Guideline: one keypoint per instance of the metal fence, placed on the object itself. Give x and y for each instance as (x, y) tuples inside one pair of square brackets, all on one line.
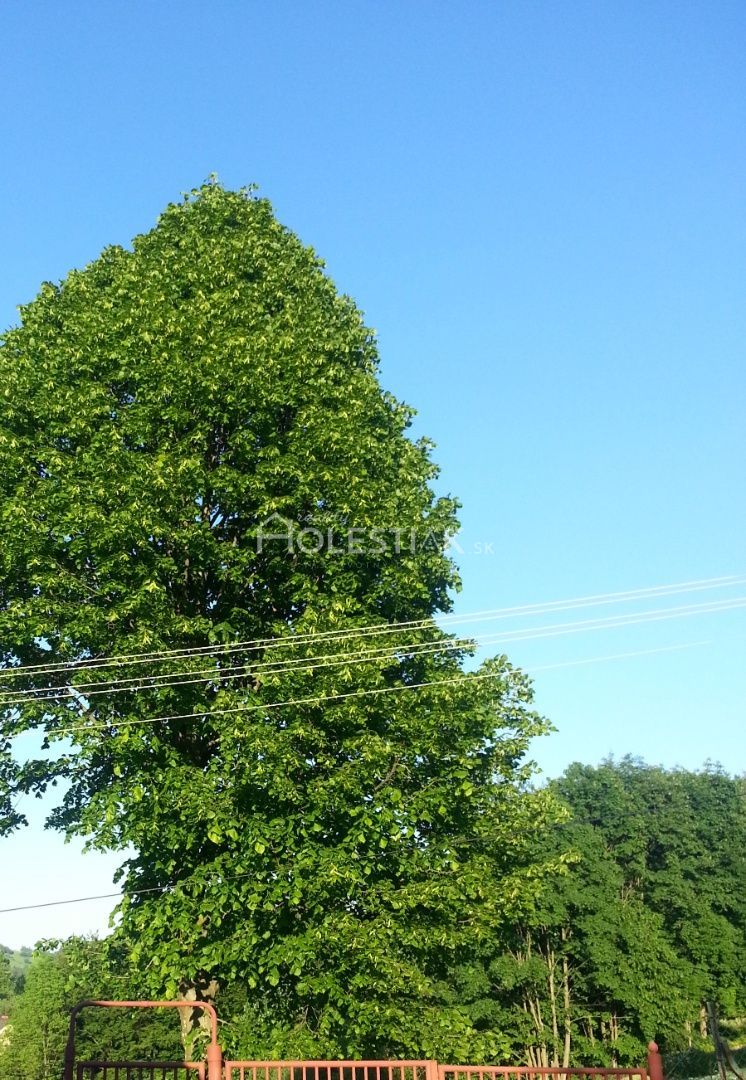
[(140, 1070), (414, 1070), (534, 1072), (344, 1070), (215, 1068), (330, 1070)]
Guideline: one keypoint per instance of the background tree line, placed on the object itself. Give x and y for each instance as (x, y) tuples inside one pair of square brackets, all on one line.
[(646, 923)]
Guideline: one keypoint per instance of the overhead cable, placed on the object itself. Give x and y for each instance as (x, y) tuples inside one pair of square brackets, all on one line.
[(164, 888), (290, 640), (76, 693)]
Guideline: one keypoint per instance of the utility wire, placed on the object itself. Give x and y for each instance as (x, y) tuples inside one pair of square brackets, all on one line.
[(76, 692), (266, 706), (114, 895), (219, 675), (127, 659), (81, 899), (212, 673), (163, 888), (619, 656), (90, 728)]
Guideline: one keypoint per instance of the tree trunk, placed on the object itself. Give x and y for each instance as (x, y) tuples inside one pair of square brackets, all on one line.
[(195, 1023), (566, 1001), (551, 966), (614, 1034)]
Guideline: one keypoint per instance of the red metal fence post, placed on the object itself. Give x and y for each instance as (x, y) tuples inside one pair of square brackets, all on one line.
[(655, 1062), (214, 1062)]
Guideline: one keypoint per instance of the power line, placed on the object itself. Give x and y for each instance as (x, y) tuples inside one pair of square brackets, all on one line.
[(81, 899), (221, 673), (243, 670), (275, 704), (618, 656), (127, 659), (266, 706), (164, 888), (327, 660), (115, 895)]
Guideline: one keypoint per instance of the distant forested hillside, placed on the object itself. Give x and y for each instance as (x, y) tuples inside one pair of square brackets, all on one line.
[(18, 961)]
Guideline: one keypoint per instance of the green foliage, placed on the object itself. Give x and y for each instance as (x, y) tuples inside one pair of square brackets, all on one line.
[(679, 840), (696, 1062), (335, 857), (59, 976), (589, 977), (645, 924), (13, 967), (38, 1029), (6, 980)]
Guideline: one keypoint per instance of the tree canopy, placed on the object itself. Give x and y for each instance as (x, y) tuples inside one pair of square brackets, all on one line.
[(298, 814), (647, 926), (678, 839)]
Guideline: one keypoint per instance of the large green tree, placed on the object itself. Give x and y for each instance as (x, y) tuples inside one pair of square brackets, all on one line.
[(307, 826), (647, 925)]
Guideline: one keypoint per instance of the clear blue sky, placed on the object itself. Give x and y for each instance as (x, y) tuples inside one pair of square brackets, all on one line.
[(541, 209)]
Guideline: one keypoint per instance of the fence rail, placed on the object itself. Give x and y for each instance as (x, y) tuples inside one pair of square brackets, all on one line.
[(331, 1070), (492, 1072), (140, 1070), (534, 1072), (415, 1070)]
